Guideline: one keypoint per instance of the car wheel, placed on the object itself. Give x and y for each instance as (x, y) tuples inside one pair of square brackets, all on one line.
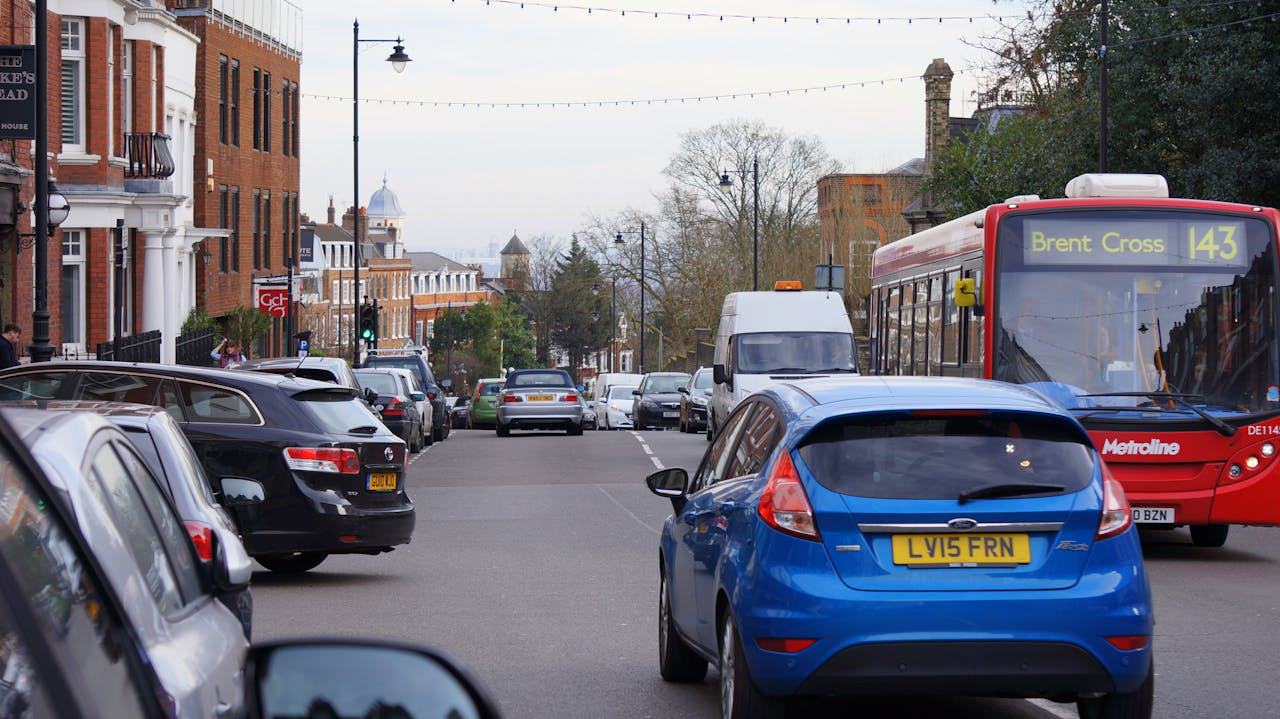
[(1209, 535), (1132, 705), (710, 429), (291, 563), (676, 661), (739, 697), (415, 444), (501, 431), (437, 433), (575, 431), (427, 439)]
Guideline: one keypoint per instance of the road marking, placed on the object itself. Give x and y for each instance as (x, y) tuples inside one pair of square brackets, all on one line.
[(623, 507), (636, 435), (657, 463), (646, 449), (1065, 711)]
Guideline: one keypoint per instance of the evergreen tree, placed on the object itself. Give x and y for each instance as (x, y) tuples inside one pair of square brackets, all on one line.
[(580, 320)]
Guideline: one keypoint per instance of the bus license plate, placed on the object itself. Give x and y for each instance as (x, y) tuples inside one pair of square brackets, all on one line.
[(1152, 515), (382, 481), (961, 549)]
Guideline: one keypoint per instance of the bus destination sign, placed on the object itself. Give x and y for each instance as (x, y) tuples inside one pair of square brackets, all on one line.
[(1098, 241)]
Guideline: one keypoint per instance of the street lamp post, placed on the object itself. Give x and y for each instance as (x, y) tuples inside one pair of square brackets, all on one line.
[(725, 187), (617, 240), (398, 59)]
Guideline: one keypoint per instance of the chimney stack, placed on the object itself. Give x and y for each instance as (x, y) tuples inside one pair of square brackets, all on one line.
[(333, 212), (937, 109)]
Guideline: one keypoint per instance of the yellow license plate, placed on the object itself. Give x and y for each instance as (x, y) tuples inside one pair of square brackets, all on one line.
[(542, 398), (382, 481), (961, 549)]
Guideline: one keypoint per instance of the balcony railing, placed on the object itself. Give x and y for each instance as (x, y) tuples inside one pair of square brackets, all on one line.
[(148, 155)]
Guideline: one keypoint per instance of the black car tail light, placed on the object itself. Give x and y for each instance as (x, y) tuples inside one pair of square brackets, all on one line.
[(323, 459), (395, 408)]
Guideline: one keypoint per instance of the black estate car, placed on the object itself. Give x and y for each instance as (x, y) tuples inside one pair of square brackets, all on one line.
[(332, 474), (417, 364)]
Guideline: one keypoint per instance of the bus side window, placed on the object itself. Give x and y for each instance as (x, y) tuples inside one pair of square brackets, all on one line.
[(973, 323), (935, 325), (873, 326), (950, 321), (891, 336), (919, 355)]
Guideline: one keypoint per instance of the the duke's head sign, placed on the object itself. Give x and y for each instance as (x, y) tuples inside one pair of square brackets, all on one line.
[(17, 92)]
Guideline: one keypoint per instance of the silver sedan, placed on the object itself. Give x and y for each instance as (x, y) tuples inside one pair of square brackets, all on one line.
[(539, 399)]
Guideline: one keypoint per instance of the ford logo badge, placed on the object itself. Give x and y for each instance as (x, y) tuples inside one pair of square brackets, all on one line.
[(390, 455), (962, 523)]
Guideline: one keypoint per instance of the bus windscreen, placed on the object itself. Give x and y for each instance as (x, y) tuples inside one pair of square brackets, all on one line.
[(1100, 302)]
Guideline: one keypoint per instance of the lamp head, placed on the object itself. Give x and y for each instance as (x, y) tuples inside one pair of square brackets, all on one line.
[(398, 58), (617, 239), (725, 185), (59, 208)]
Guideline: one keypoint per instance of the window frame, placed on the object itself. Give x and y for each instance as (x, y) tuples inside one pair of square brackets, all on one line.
[(223, 88), (77, 57), (257, 108), (712, 465), (78, 260), (234, 106)]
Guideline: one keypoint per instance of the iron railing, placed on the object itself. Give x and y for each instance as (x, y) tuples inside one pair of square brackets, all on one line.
[(143, 347), (149, 155), (193, 348)]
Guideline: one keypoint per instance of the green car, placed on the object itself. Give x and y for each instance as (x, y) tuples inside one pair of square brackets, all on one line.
[(484, 403)]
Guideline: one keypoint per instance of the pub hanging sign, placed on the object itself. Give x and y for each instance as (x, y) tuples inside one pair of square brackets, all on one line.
[(17, 92)]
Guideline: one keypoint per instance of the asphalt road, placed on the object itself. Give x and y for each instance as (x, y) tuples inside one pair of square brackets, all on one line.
[(534, 562)]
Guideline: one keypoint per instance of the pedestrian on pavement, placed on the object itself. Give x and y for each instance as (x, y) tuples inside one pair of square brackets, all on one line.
[(228, 353), (9, 340)]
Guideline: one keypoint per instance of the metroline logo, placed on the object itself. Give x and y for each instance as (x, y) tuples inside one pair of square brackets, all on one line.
[(1150, 447)]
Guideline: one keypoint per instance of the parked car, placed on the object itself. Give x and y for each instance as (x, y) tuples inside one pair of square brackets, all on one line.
[(588, 413), (903, 535), (417, 363), (483, 411), (397, 405), (618, 405), (197, 647), (458, 410), (331, 473), (657, 400), (693, 401), (605, 383), (72, 645), (169, 456), (321, 369), (539, 399)]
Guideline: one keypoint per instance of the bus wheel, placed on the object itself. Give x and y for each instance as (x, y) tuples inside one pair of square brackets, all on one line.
[(1209, 535)]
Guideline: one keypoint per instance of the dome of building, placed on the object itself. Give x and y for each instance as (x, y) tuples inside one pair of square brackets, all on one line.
[(384, 203)]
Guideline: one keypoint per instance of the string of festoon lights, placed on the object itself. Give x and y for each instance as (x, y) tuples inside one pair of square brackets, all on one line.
[(690, 15), (626, 102)]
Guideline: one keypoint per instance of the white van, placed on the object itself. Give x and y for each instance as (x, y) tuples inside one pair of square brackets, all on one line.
[(601, 401), (766, 337)]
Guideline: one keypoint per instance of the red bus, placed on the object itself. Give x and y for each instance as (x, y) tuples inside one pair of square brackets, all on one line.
[(1153, 319)]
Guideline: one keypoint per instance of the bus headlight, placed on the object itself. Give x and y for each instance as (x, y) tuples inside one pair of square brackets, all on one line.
[(1234, 470), (1251, 462), (1268, 449)]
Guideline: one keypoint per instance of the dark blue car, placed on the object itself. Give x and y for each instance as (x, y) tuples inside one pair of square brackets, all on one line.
[(853, 536)]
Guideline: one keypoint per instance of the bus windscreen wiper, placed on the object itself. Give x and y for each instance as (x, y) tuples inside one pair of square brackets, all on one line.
[(1223, 428), (1007, 489)]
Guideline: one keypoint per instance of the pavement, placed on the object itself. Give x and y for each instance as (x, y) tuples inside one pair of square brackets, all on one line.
[(534, 562)]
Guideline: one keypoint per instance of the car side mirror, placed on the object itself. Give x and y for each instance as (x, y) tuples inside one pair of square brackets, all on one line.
[(718, 374), (346, 677), (419, 396), (241, 492), (670, 483), (370, 396), (683, 390), (637, 393), (446, 383)]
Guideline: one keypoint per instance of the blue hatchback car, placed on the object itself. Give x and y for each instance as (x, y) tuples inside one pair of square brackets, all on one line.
[(872, 536)]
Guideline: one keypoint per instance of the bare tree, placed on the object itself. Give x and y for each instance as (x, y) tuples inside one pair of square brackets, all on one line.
[(539, 301)]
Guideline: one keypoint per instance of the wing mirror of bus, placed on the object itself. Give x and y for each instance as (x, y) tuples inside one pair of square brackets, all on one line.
[(965, 293)]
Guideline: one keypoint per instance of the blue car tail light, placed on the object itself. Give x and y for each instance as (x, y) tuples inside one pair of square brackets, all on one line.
[(784, 504), (1116, 516)]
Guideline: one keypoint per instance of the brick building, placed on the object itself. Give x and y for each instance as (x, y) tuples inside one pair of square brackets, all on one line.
[(247, 68), (121, 91)]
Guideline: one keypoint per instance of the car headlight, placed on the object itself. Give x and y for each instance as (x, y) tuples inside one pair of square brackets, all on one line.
[(700, 401)]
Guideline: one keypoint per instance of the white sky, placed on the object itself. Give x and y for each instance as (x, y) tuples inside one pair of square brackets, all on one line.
[(468, 176)]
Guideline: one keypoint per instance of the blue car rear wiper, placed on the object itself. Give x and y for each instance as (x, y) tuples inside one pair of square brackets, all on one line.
[(1007, 489), (1223, 428)]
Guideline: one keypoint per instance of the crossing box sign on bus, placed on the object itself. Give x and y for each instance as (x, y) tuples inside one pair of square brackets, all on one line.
[(17, 92), (1092, 240)]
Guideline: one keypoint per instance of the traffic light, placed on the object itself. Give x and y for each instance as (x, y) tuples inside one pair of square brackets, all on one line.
[(369, 323)]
